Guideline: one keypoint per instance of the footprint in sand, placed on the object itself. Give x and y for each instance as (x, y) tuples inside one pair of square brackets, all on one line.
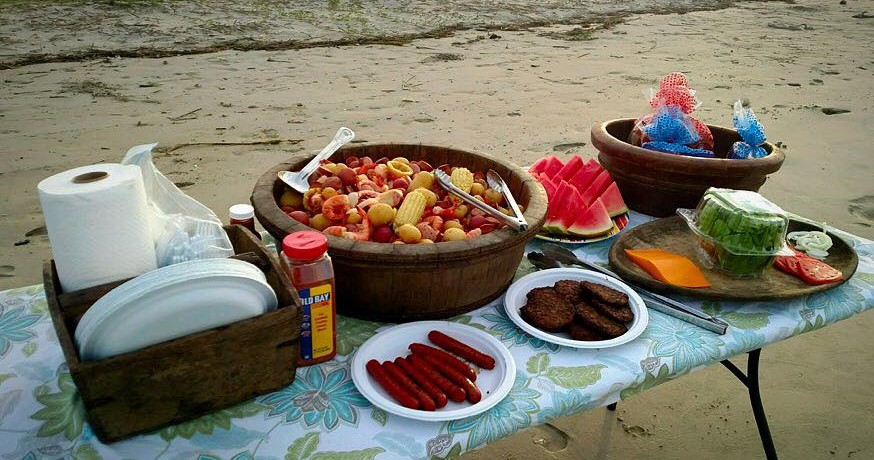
[(862, 208), (636, 431), (566, 147), (551, 438), (39, 231), (7, 271)]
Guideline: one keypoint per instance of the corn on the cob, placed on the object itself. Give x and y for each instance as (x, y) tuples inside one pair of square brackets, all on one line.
[(423, 179), (462, 178), (411, 209), (429, 195)]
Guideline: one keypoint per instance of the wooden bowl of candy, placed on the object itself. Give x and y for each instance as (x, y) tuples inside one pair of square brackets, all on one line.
[(658, 183), (453, 258)]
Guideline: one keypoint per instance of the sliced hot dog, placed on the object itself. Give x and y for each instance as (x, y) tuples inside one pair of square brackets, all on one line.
[(396, 391), (473, 393), (465, 351), (455, 363), (397, 374), (453, 391), (428, 385)]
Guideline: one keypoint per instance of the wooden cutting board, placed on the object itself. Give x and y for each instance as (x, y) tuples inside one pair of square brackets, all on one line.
[(673, 235)]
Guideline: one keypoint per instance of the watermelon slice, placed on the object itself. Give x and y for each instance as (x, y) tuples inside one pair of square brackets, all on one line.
[(554, 222), (549, 186), (538, 166), (553, 166), (593, 222), (599, 185), (572, 208), (586, 175), (613, 201), (571, 167)]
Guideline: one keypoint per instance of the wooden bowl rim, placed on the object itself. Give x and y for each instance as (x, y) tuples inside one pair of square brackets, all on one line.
[(276, 222), (606, 143)]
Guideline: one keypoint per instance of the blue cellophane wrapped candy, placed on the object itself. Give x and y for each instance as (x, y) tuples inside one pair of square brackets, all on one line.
[(671, 131), (751, 131)]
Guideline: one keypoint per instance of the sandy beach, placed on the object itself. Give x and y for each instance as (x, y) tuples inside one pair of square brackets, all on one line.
[(806, 67)]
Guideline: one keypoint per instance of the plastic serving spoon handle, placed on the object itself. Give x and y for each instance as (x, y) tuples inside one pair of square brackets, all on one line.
[(300, 180), (658, 302), (497, 182), (445, 182)]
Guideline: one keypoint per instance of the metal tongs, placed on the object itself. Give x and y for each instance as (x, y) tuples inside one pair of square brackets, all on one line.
[(517, 223), (655, 301)]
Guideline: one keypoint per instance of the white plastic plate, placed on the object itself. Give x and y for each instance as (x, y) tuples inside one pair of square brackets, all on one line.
[(389, 344), (172, 302), (516, 297)]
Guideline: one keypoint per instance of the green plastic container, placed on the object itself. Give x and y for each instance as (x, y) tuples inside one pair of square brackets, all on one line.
[(739, 231)]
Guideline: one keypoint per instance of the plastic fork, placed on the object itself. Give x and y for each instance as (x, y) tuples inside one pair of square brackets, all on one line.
[(300, 180)]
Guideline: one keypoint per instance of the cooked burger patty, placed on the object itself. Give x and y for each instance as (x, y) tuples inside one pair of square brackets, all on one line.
[(547, 310), (621, 314), (603, 293), (589, 316), (580, 331), (568, 288)]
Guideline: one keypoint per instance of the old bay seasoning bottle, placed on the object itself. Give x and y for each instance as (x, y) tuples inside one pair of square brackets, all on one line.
[(306, 262)]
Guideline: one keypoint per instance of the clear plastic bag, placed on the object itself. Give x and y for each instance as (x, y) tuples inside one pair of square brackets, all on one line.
[(183, 228), (750, 130), (672, 131), (673, 91)]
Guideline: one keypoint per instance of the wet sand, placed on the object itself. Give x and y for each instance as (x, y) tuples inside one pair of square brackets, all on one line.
[(515, 94), (58, 31)]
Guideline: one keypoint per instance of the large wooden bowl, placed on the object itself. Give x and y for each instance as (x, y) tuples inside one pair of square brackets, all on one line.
[(657, 183), (400, 283)]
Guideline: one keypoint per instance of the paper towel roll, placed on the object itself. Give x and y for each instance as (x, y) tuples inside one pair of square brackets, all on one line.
[(97, 219)]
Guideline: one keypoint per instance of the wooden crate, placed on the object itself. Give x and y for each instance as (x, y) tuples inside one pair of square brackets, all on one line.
[(184, 378)]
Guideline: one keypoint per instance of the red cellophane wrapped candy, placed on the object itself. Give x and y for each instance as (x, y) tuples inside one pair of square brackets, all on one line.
[(673, 91)]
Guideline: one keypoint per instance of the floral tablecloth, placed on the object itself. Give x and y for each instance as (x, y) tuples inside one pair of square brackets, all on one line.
[(322, 416)]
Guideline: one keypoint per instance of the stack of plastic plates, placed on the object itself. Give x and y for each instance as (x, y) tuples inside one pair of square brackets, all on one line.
[(171, 302)]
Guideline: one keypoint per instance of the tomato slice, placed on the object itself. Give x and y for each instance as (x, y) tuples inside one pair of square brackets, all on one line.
[(817, 272), (335, 208), (811, 271), (788, 264)]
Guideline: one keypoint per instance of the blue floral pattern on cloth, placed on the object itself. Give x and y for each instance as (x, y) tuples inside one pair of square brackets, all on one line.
[(510, 415), (14, 327), (319, 399), (686, 347), (321, 414)]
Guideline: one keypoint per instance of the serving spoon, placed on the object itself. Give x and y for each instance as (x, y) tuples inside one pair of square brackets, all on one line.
[(300, 180)]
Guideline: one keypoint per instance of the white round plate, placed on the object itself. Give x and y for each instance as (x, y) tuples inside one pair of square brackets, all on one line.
[(389, 344), (155, 308), (619, 223), (156, 279), (516, 298)]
